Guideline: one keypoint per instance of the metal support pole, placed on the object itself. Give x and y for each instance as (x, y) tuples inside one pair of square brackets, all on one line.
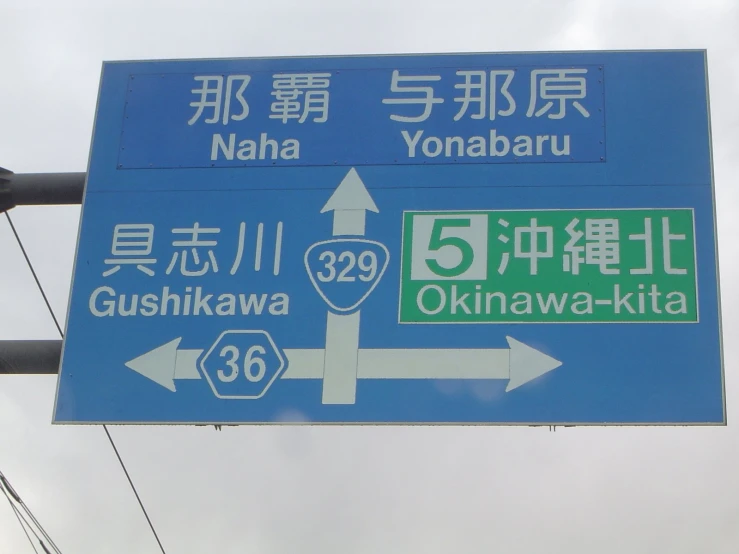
[(40, 189), (35, 189), (30, 357), (6, 201)]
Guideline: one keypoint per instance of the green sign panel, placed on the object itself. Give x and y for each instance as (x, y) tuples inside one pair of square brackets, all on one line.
[(549, 266)]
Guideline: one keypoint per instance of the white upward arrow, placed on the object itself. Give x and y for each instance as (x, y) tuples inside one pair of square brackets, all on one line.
[(350, 203)]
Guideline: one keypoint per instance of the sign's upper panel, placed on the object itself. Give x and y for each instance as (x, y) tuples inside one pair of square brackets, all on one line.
[(466, 113), (523, 112)]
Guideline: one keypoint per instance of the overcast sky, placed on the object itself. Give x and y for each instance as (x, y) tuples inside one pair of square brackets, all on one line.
[(343, 490)]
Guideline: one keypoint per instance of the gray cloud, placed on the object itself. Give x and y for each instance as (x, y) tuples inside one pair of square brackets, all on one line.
[(363, 490)]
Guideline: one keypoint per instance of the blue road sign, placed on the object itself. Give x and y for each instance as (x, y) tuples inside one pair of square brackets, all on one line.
[(476, 238)]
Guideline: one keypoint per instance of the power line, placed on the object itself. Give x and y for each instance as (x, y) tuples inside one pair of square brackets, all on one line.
[(18, 517), (9, 491), (38, 525), (130, 482), (33, 272), (61, 334)]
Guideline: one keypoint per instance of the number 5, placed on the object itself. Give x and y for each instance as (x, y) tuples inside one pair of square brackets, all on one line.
[(437, 243)]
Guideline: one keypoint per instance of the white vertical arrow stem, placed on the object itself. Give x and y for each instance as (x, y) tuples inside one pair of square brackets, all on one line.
[(349, 202), (349, 222), (342, 331), (340, 361)]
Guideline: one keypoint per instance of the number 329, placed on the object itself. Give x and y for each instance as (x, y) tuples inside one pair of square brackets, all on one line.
[(341, 268)]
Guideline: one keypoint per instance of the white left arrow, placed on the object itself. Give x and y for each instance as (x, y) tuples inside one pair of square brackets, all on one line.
[(166, 363)]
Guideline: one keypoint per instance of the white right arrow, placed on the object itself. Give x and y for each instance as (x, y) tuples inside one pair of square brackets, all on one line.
[(519, 363)]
